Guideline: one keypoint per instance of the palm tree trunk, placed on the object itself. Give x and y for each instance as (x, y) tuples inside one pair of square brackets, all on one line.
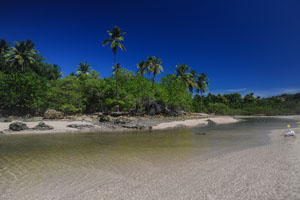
[(117, 89), (201, 101), (153, 80)]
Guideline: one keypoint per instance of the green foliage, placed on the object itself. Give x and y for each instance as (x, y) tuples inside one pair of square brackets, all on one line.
[(66, 95), (22, 92), (234, 104), (176, 93)]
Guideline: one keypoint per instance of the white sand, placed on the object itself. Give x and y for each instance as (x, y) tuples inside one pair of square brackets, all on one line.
[(59, 127), (195, 122)]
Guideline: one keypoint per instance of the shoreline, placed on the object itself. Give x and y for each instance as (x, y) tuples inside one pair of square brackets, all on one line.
[(135, 124)]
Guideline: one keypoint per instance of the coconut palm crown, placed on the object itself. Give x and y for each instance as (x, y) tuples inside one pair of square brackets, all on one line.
[(22, 54)]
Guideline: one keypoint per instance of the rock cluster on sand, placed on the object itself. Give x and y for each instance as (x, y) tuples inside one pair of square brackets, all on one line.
[(18, 126), (53, 114), (80, 126), (42, 127)]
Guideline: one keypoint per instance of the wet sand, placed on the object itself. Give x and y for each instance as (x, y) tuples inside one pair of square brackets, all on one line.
[(268, 171)]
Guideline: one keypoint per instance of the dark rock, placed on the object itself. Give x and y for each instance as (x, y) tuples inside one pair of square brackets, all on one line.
[(53, 114), (42, 127), (211, 122), (7, 120), (133, 126), (1, 132), (80, 126), (122, 121), (104, 118), (18, 126)]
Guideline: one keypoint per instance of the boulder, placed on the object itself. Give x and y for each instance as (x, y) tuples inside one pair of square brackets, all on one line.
[(80, 126), (18, 126), (53, 114), (104, 118), (42, 127)]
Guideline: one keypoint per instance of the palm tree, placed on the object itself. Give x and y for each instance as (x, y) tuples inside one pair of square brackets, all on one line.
[(116, 69), (202, 85), (116, 37), (142, 68), (84, 68), (188, 78), (149, 65), (22, 54), (191, 81), (156, 68), (4, 48), (54, 72)]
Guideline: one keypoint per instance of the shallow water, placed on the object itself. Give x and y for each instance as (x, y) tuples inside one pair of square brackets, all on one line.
[(54, 165)]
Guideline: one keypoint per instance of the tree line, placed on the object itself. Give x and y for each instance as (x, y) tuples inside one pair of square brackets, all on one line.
[(29, 84)]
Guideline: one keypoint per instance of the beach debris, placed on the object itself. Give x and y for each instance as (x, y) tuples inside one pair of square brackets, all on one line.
[(42, 127), (18, 126), (104, 118), (290, 132), (80, 126), (53, 114)]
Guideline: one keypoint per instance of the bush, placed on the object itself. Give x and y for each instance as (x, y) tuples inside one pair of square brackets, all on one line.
[(22, 92)]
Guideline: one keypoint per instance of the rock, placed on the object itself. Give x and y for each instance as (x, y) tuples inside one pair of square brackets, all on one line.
[(211, 122), (122, 121), (80, 126), (53, 114), (104, 118), (133, 126), (7, 120), (1, 132), (18, 126), (42, 127)]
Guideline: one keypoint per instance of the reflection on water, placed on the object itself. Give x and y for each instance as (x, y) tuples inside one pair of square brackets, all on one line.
[(47, 162)]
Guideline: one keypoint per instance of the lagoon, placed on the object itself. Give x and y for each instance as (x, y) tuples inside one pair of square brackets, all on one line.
[(170, 164)]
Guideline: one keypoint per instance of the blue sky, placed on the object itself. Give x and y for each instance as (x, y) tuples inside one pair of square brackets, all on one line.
[(243, 46)]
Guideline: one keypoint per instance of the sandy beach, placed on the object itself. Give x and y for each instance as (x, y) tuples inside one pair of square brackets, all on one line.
[(61, 126)]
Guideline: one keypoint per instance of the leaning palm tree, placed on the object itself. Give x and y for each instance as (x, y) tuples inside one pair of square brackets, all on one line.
[(116, 37), (84, 68), (22, 54), (202, 85), (156, 68), (142, 68)]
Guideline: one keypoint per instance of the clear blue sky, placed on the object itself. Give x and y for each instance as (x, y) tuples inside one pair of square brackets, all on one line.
[(242, 45)]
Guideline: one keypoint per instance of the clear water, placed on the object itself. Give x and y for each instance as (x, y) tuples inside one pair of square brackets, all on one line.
[(47, 162)]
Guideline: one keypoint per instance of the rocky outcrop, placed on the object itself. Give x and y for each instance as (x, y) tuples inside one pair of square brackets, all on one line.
[(80, 126), (43, 127), (104, 118), (18, 126), (53, 114)]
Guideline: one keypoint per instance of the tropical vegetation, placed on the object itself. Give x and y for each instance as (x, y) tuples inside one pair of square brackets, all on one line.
[(30, 85)]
